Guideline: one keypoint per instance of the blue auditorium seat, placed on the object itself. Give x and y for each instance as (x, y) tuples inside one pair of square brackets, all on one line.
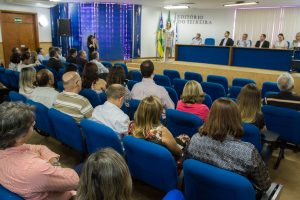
[(174, 195), (99, 136), (241, 82), (173, 94), (15, 96), (151, 163), (162, 80), (179, 122), (102, 97), (269, 87), (204, 181), (13, 79), (40, 67), (124, 67), (133, 105), (193, 76), (3, 78), (60, 86), (107, 64), (61, 73), (130, 84), (136, 75), (214, 90), (284, 122), (210, 41), (207, 101), (219, 79), (252, 135), (55, 74), (179, 85), (92, 96), (171, 74), (234, 92), (66, 130), (8, 195)]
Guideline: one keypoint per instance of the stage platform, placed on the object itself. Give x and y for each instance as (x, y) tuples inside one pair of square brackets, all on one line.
[(259, 75)]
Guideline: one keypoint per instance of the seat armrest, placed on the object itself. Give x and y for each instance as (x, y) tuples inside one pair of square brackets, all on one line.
[(273, 193)]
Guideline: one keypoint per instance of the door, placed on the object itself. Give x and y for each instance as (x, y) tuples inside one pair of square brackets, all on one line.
[(18, 30)]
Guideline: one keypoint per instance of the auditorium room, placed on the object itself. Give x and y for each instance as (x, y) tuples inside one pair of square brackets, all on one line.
[(149, 100)]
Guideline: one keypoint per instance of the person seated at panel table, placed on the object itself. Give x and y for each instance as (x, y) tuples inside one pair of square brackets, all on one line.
[(192, 100), (227, 41), (286, 97), (197, 40), (244, 42), (218, 143), (296, 42), (31, 171), (262, 42), (280, 43)]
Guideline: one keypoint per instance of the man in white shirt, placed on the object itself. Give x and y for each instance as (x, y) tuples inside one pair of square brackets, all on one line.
[(95, 59), (244, 42), (197, 40), (110, 113), (296, 42)]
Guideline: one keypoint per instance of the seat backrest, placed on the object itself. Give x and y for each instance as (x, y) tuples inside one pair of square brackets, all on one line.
[(130, 84), (241, 82), (179, 85), (214, 90), (283, 121), (204, 181), (207, 100), (99, 136), (103, 97), (269, 87), (15, 96), (12, 78), (179, 122), (3, 78), (162, 80), (174, 195), (61, 73), (171, 74), (66, 129), (92, 96), (5, 194), (133, 105), (173, 94), (42, 118), (210, 41), (107, 64), (151, 163), (124, 67), (60, 86), (193, 76), (45, 62), (234, 92), (136, 75), (219, 79), (252, 135)]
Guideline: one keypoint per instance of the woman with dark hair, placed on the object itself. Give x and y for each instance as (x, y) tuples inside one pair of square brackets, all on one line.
[(92, 45), (15, 61), (26, 61), (91, 80), (31, 171), (280, 43), (105, 176), (218, 143)]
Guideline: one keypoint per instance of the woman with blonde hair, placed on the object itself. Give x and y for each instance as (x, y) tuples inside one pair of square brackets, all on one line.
[(249, 104), (27, 81), (147, 125), (105, 176), (191, 100)]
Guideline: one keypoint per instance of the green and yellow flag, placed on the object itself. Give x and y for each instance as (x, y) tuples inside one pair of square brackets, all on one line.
[(160, 48)]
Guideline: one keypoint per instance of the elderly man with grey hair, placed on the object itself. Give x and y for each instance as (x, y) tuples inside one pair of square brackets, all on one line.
[(286, 97)]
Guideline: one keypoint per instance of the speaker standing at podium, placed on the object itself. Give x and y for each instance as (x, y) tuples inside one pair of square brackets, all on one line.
[(92, 45)]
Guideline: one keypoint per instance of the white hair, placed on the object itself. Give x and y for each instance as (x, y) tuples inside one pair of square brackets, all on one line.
[(285, 82)]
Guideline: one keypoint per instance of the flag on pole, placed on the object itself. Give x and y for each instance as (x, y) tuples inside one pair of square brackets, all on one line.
[(175, 29), (160, 48)]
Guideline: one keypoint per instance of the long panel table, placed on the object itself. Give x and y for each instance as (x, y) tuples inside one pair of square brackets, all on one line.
[(273, 59)]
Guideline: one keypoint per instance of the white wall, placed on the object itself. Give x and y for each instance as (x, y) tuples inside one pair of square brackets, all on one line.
[(44, 32), (222, 20)]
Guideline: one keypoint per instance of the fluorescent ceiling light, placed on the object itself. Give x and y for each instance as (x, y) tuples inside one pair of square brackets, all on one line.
[(174, 7), (240, 3)]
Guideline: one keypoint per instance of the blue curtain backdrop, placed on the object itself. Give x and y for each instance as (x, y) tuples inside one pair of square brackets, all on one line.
[(111, 23)]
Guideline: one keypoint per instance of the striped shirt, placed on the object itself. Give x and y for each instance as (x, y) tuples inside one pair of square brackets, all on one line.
[(74, 105)]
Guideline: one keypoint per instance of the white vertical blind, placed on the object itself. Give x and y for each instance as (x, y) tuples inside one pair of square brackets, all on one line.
[(290, 23)]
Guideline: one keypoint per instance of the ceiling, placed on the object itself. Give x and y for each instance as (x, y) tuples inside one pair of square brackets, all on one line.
[(201, 4)]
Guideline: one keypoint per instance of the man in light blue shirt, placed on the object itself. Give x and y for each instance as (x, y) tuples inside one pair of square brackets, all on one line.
[(244, 42)]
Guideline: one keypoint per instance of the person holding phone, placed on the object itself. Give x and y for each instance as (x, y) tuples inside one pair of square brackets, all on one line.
[(92, 44)]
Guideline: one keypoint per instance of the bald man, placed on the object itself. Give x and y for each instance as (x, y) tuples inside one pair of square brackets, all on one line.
[(70, 102)]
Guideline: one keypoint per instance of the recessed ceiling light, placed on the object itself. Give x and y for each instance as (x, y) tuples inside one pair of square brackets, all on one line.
[(240, 3), (174, 7)]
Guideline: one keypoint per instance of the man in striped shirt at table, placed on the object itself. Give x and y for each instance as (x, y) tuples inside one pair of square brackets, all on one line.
[(70, 102)]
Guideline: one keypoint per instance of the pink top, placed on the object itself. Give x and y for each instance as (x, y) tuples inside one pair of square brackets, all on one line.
[(25, 170), (201, 110)]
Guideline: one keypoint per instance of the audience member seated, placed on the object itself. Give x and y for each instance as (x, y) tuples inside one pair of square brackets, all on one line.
[(15, 61), (61, 58), (244, 42), (72, 56), (26, 61), (227, 41), (262, 42), (280, 43), (71, 68), (45, 92), (54, 61), (191, 100), (31, 171), (40, 54), (197, 40), (147, 125), (147, 87), (47, 57), (218, 143), (296, 42), (286, 97), (249, 104), (105, 175), (91, 80), (96, 60), (70, 102), (110, 113), (15, 50), (81, 58), (25, 49), (27, 81)]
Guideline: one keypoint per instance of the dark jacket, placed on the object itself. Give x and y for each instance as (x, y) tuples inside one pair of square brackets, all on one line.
[(229, 42), (266, 44), (55, 63)]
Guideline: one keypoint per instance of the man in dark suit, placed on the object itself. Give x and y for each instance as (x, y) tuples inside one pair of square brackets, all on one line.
[(262, 42), (54, 61), (227, 41)]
